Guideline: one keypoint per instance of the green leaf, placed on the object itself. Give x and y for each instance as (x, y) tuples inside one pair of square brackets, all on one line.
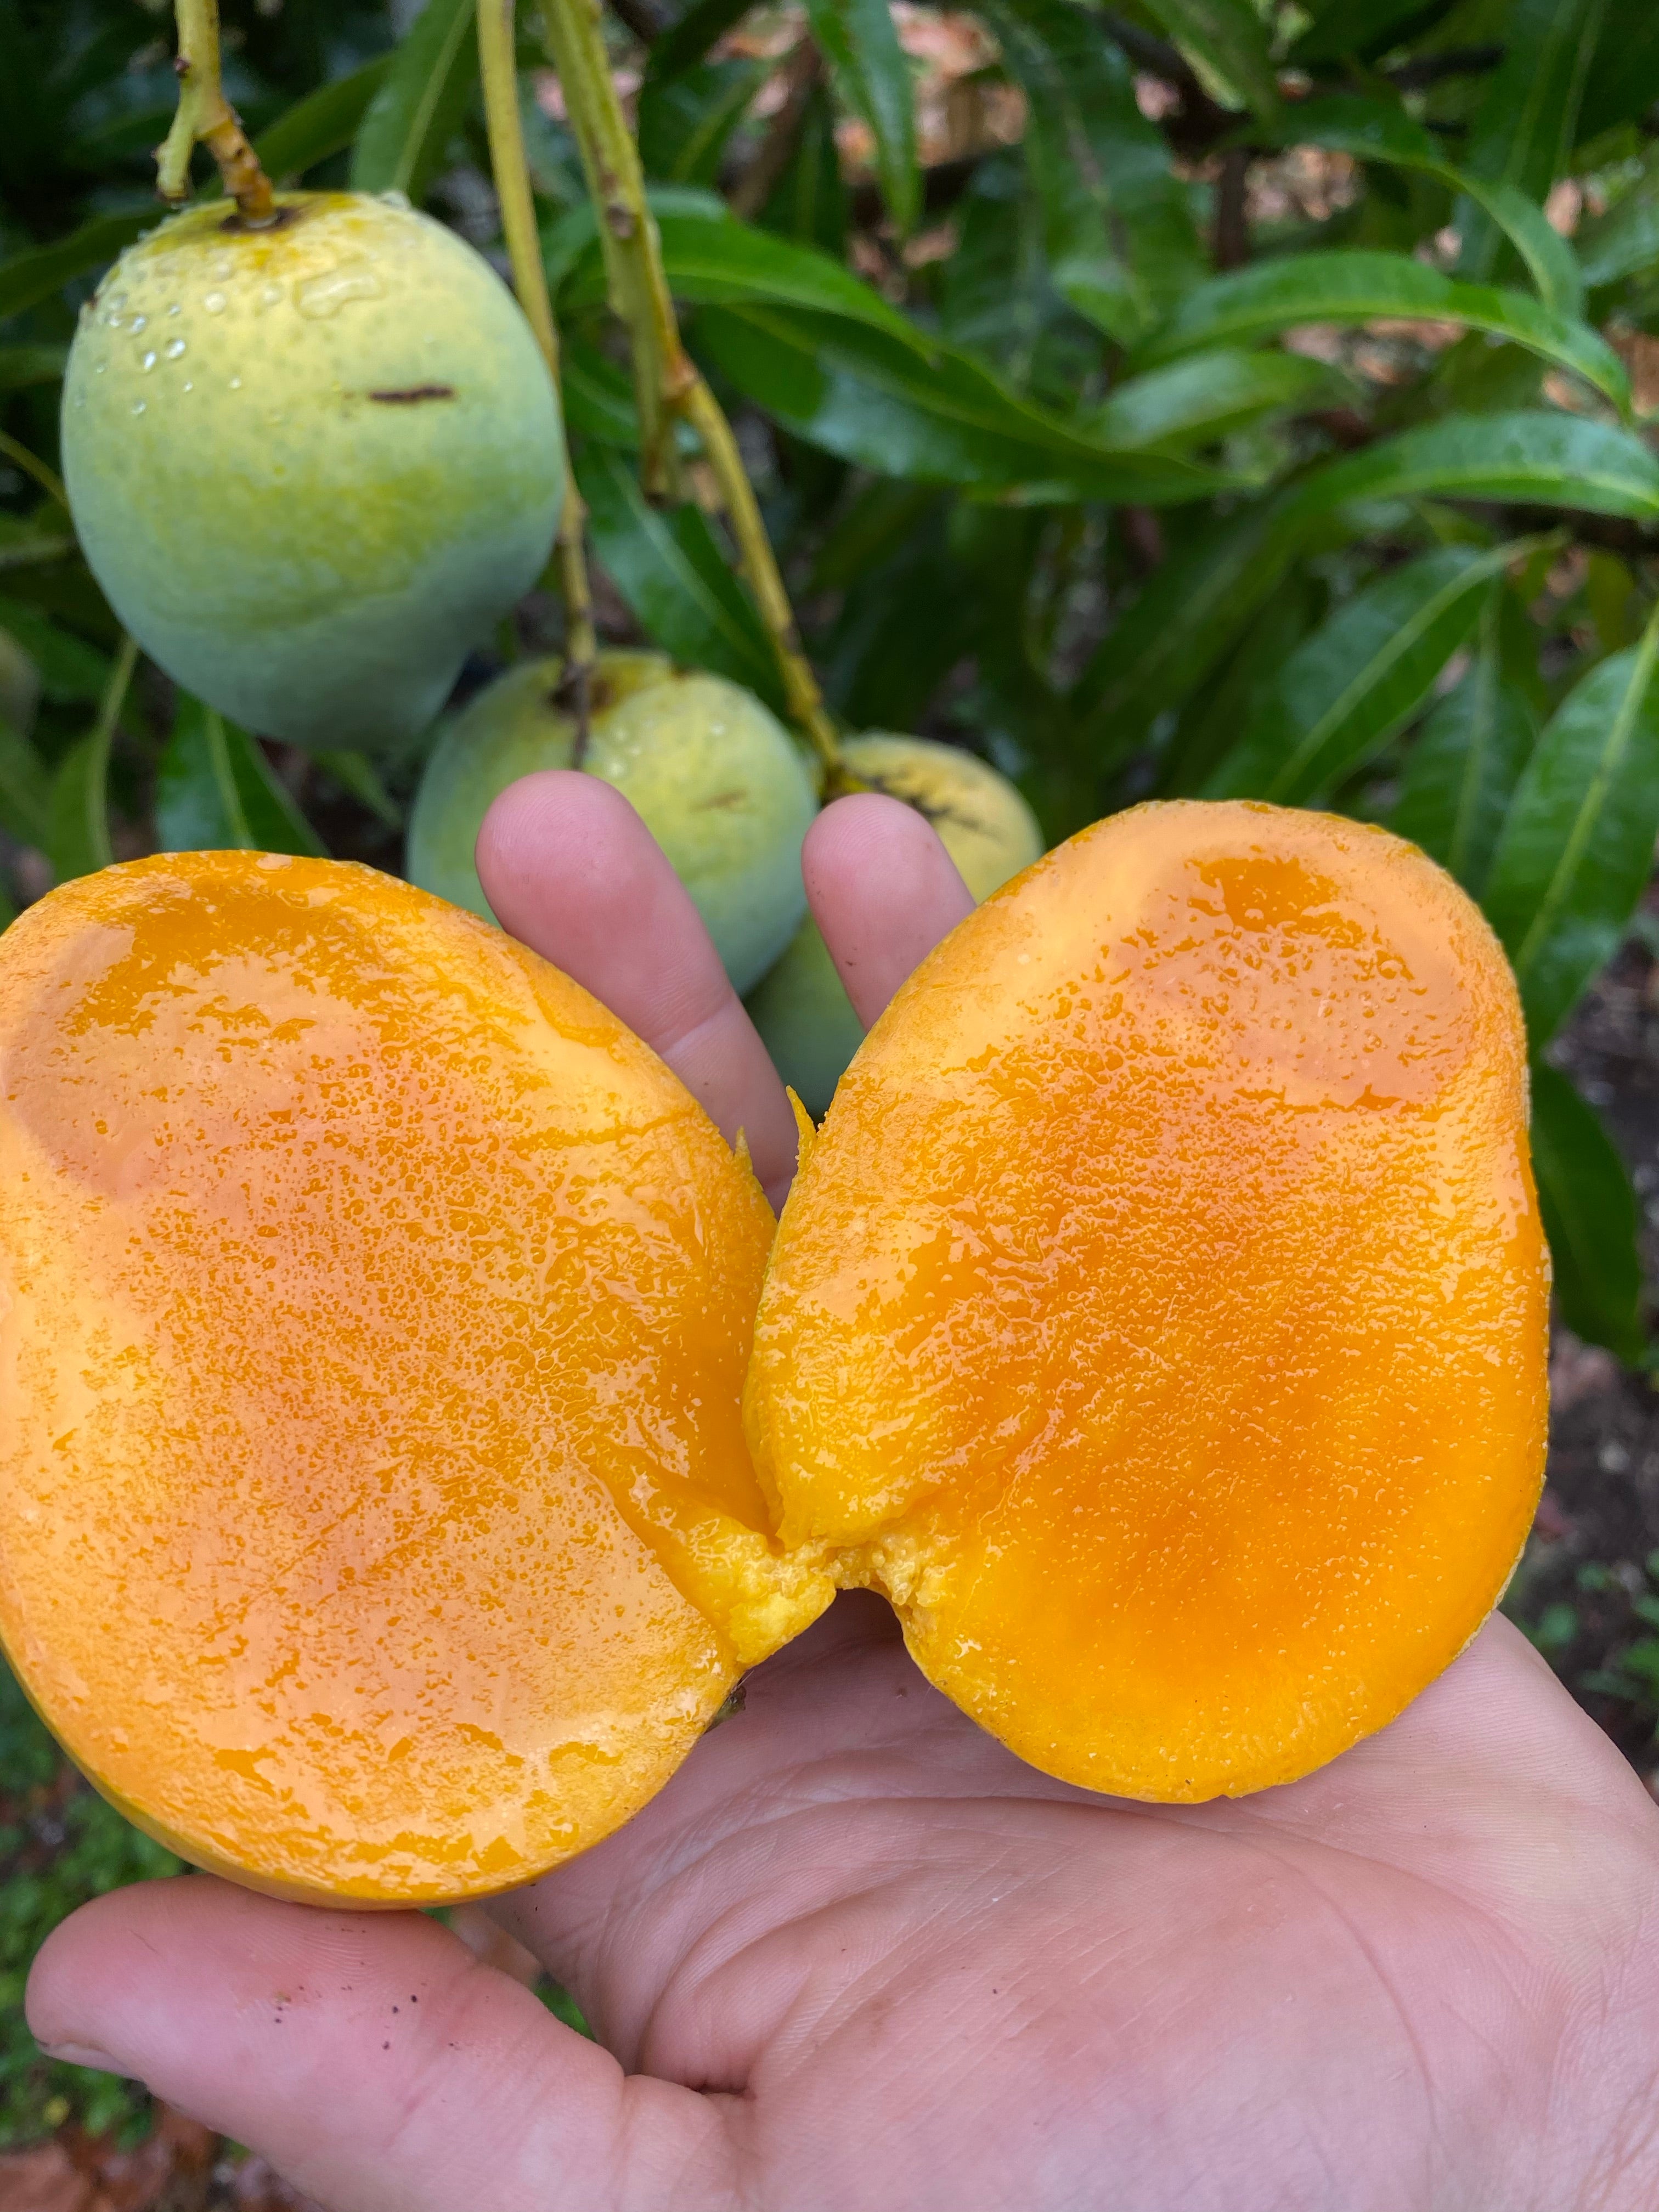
[(854, 393), (715, 260), (1625, 242), (808, 204), (1189, 612), (669, 566), (8, 911), (872, 74), (1577, 848), (215, 792), (1232, 39), (1623, 76), (1194, 401), (684, 45), (1346, 286), (1464, 767), (1121, 242), (1541, 458), (1373, 131), (686, 121), (24, 365), (597, 394), (1590, 1216), (25, 789), (323, 122), (1214, 713), (30, 277), (355, 773), (1527, 124), (71, 672), (1360, 677), (418, 106), (78, 828), (1362, 28)]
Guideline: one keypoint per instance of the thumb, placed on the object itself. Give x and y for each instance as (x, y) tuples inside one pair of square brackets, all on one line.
[(369, 2057)]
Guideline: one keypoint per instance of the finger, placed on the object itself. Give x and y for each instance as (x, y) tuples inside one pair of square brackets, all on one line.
[(571, 871), (367, 2057), (883, 890)]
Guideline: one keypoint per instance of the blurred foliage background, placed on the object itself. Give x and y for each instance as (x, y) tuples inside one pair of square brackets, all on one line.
[(1226, 396)]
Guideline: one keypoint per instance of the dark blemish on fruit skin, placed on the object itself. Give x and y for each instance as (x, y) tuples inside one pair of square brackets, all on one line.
[(411, 394)]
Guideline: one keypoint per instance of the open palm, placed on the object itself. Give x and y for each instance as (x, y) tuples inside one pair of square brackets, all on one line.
[(856, 1957)]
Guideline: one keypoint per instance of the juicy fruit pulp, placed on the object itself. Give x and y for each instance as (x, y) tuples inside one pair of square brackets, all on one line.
[(310, 464), (1159, 1317), (804, 1015), (714, 775), (375, 1519)]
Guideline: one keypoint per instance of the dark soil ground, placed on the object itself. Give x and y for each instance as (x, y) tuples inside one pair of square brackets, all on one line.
[(1587, 1592)]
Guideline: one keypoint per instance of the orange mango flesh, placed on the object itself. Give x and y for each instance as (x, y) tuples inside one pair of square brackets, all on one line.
[(375, 1519), (1159, 1317)]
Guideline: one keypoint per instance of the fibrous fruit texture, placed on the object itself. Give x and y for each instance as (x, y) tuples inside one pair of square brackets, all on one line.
[(804, 1015), (713, 773), (375, 1519), (1159, 1317), (310, 464)]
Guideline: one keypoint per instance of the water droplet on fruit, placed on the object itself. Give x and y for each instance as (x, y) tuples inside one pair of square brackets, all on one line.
[(138, 323), (213, 303), (271, 294), (150, 360), (100, 367), (137, 406), (235, 383), (189, 387), (319, 296), (175, 309), (175, 347), (393, 199), (116, 301)]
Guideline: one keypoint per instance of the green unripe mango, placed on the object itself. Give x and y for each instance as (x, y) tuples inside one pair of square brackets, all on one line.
[(719, 784), (311, 463), (804, 1015)]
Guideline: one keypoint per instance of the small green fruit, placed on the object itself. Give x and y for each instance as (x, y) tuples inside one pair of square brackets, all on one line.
[(311, 463), (716, 778), (805, 1016)]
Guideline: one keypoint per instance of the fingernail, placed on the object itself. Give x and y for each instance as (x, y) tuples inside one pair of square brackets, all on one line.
[(82, 2054)]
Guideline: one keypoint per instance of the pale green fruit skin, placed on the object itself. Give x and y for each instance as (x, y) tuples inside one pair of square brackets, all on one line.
[(313, 560), (718, 780), (805, 1016)]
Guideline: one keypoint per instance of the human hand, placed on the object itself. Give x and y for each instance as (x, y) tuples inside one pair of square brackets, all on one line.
[(856, 1957)]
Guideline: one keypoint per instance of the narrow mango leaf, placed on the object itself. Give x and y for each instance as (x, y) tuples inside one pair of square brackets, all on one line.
[(1359, 678), (1231, 39), (355, 773), (1464, 766), (419, 104), (808, 204), (1121, 241), (78, 830), (1527, 124), (30, 277), (872, 74), (8, 911), (71, 672), (1194, 401), (323, 122), (669, 566), (1577, 848), (1540, 457), (854, 393), (1189, 612), (597, 394), (216, 793), (1216, 711), (1353, 287), (683, 43), (1362, 29), (1623, 82), (23, 365), (25, 789), (1590, 1217), (1375, 130), (1625, 242), (1118, 227), (713, 260), (687, 121)]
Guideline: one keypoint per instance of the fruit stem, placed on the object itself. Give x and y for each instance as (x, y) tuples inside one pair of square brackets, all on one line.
[(667, 383), (203, 113), (498, 68)]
